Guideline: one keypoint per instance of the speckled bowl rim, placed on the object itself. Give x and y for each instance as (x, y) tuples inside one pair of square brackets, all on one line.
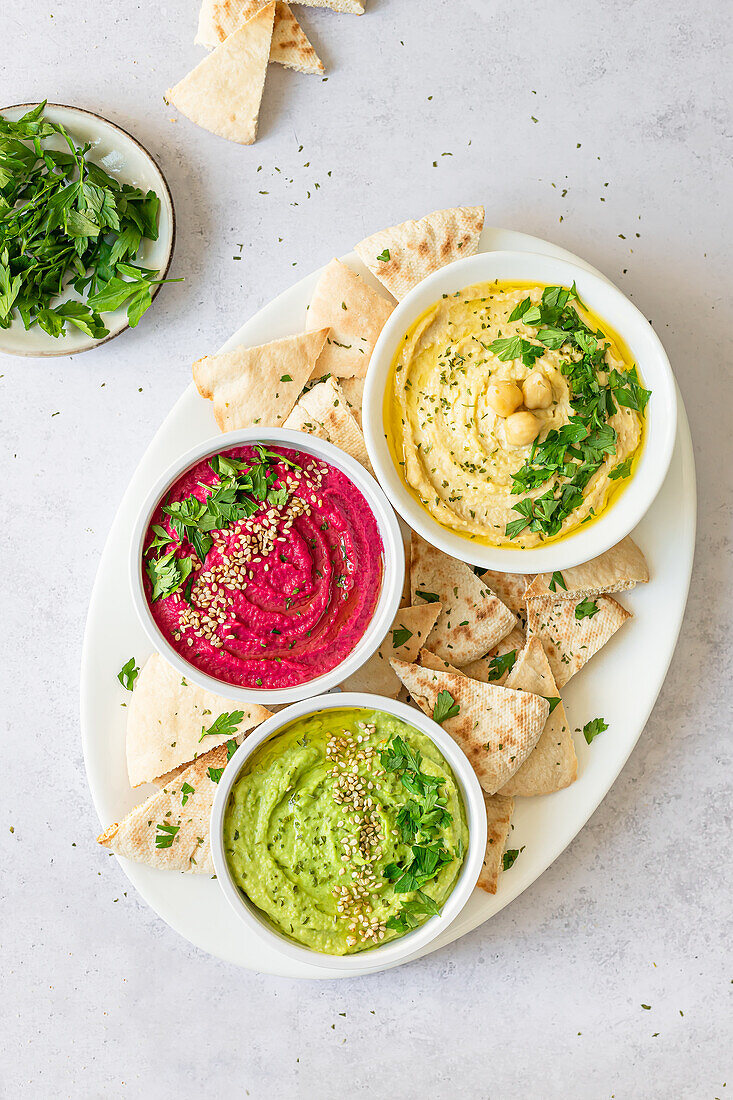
[(394, 951)]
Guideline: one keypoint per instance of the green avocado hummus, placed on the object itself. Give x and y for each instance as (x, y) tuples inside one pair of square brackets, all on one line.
[(347, 829)]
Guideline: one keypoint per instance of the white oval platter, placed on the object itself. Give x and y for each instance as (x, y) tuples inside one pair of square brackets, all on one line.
[(621, 684)]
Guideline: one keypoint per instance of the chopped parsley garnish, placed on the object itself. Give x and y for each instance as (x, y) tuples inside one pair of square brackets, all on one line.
[(621, 471), (593, 728), (186, 790), (215, 774), (558, 581), (224, 726), (167, 574), (509, 858), (128, 674), (400, 635), (165, 835), (503, 662), (384, 256), (445, 707), (568, 457), (586, 609), (553, 700), (429, 597)]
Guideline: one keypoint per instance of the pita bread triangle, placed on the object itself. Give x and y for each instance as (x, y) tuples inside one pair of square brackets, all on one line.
[(223, 93), (473, 619), (429, 660), (569, 642), (289, 46), (171, 830), (499, 810), (355, 315), (258, 386), (165, 717), (403, 255), (552, 764), (483, 670), (619, 569), (323, 411), (403, 640), (497, 728), (509, 587)]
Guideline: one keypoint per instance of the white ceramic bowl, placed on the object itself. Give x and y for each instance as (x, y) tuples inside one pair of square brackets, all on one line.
[(392, 573), (656, 374), (125, 159), (397, 950)]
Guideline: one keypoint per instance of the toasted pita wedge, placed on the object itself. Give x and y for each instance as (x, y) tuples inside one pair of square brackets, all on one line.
[(355, 313), (499, 810), (353, 391), (323, 411), (251, 386), (497, 728), (552, 764), (405, 600), (289, 46), (429, 660), (410, 628), (403, 255), (473, 619), (170, 829), (165, 717), (484, 670), (347, 7), (619, 569), (223, 93), (509, 587), (568, 642)]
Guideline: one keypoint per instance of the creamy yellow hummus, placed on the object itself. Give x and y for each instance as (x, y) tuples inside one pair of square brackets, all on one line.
[(450, 444)]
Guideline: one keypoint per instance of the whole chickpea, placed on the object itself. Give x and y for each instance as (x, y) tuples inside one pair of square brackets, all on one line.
[(537, 391), (504, 397), (521, 428)]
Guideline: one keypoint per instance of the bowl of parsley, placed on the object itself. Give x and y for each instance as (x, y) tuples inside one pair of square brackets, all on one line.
[(87, 230)]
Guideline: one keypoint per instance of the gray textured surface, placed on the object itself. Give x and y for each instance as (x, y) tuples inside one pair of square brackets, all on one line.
[(631, 101)]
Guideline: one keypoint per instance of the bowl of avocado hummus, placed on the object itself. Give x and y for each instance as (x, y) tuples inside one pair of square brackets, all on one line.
[(348, 830), (519, 411)]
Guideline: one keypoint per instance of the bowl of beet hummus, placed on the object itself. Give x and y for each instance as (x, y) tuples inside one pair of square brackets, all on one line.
[(266, 565)]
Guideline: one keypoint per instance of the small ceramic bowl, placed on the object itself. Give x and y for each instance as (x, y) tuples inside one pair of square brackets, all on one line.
[(624, 513), (393, 564), (395, 951), (125, 159)]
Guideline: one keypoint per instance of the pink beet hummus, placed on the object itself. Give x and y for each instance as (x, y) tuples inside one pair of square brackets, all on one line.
[(263, 566)]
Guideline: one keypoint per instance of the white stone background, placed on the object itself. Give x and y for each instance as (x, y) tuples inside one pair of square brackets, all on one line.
[(631, 100)]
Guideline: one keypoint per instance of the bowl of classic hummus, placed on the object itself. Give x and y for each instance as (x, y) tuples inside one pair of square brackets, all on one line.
[(348, 831), (520, 412), (266, 566)]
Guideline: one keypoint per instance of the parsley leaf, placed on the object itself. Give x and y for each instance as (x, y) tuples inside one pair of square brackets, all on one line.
[(509, 858), (128, 674), (214, 774), (400, 635), (186, 790), (586, 609), (593, 728), (429, 597), (384, 256), (503, 662), (224, 726), (558, 581), (165, 835), (445, 707)]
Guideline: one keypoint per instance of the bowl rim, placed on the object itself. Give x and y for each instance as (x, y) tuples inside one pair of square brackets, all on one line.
[(394, 951), (392, 574), (167, 197), (661, 418)]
